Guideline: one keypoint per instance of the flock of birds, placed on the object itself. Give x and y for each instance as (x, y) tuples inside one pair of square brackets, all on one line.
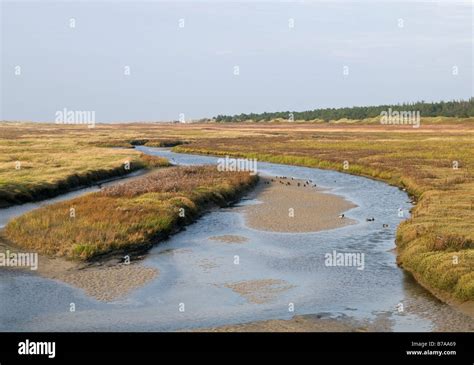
[(308, 183), (304, 184)]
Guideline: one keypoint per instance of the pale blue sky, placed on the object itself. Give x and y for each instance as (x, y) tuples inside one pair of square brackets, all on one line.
[(190, 70)]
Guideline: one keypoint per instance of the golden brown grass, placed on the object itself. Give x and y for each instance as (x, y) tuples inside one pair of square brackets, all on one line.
[(127, 216), (36, 164)]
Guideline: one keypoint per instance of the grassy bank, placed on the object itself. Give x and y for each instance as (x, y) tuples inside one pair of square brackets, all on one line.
[(130, 216), (33, 168), (437, 243), (20, 186)]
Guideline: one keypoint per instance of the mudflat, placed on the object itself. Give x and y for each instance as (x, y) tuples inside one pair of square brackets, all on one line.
[(290, 205), (105, 280)]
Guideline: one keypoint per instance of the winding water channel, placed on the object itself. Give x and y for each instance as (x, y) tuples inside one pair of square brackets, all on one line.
[(196, 272)]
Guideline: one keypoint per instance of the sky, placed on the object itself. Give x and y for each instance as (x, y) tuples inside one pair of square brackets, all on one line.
[(159, 60)]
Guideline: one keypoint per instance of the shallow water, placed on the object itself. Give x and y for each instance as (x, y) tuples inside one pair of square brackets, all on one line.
[(195, 270)]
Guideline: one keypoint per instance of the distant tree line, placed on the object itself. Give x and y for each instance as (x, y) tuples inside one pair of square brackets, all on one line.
[(455, 108)]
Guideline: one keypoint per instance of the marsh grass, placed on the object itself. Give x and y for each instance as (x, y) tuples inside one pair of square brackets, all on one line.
[(127, 216), (41, 163)]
